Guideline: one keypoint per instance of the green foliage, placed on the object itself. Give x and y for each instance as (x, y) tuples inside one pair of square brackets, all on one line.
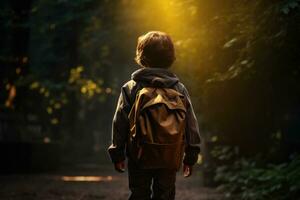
[(253, 77), (245, 179), (289, 5), (61, 72)]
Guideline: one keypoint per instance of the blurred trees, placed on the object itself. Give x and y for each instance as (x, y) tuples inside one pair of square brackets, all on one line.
[(61, 73), (254, 98)]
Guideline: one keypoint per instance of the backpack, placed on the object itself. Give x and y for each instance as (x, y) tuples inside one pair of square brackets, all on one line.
[(157, 128)]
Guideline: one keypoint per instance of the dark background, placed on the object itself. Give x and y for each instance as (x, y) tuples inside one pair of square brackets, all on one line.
[(62, 63)]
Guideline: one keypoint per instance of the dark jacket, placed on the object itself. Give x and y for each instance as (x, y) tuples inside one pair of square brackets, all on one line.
[(155, 77)]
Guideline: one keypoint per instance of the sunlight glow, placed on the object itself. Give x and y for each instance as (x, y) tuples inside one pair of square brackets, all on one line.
[(183, 20), (87, 178), (153, 15)]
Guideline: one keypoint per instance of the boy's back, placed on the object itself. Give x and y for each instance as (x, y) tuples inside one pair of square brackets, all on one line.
[(141, 175)]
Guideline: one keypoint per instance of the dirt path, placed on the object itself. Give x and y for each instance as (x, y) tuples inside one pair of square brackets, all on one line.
[(104, 184)]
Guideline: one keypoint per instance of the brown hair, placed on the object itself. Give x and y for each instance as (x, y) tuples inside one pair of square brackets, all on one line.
[(155, 49)]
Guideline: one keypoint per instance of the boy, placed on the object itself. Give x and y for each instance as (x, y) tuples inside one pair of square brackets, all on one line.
[(155, 122)]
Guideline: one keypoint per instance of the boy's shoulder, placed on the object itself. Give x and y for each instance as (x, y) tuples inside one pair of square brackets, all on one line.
[(180, 84), (181, 87), (130, 88), (129, 85)]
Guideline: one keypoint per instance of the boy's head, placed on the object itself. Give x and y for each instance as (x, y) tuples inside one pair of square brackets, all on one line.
[(155, 49)]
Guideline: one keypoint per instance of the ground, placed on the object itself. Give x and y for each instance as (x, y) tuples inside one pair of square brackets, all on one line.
[(105, 184)]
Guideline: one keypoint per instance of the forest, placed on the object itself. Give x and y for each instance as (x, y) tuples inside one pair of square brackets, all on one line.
[(63, 63)]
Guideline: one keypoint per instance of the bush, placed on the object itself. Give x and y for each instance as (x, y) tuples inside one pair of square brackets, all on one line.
[(247, 179)]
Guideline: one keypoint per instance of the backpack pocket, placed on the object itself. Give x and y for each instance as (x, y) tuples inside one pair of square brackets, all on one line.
[(154, 155)]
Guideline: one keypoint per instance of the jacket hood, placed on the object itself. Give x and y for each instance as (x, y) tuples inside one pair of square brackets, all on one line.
[(156, 77)]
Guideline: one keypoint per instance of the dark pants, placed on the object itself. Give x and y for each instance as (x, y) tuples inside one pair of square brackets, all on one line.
[(155, 184)]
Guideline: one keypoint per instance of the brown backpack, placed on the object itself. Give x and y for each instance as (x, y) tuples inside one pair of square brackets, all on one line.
[(157, 128)]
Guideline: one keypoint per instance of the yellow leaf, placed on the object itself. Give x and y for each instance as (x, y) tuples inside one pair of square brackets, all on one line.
[(34, 85), (18, 70), (108, 90), (25, 59), (47, 94), (57, 105), (49, 110), (83, 90), (54, 121), (214, 138)]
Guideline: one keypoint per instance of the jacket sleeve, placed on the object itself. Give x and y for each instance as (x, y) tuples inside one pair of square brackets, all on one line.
[(192, 148), (120, 129)]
